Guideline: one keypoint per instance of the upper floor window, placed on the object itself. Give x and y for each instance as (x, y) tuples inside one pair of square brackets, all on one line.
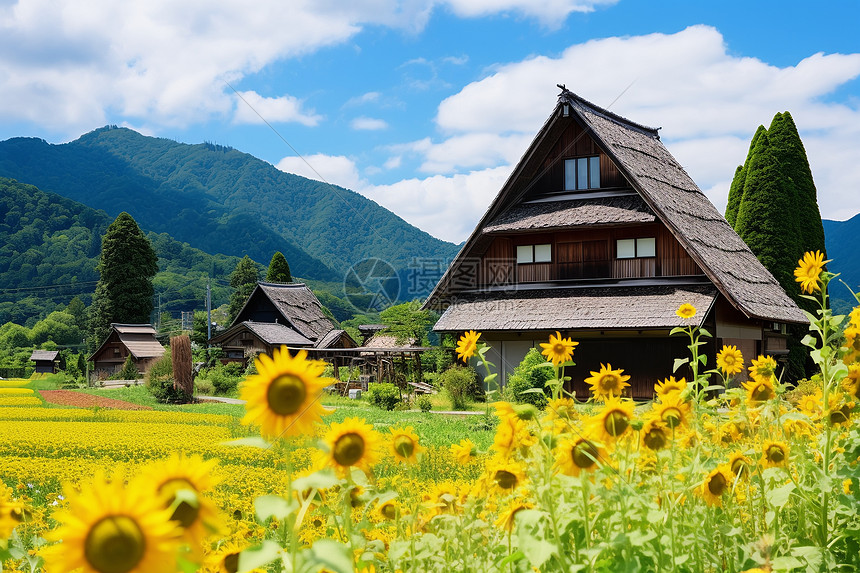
[(582, 173), (636, 248), (534, 254)]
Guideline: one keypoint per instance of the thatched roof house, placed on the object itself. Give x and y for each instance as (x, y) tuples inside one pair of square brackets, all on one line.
[(46, 361), (137, 340), (599, 233)]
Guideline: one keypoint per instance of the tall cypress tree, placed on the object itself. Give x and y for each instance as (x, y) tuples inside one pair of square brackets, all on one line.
[(736, 190), (279, 269), (126, 267), (765, 217), (789, 152), (243, 279)]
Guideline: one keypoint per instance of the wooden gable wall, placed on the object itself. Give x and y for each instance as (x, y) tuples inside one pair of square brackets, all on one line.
[(584, 254)]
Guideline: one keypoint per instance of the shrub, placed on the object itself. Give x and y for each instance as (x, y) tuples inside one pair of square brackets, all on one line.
[(383, 395), (159, 382), (204, 386), (129, 370), (225, 377), (459, 382), (527, 375), (424, 403)]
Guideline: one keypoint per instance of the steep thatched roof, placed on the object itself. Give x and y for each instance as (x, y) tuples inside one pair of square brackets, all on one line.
[(668, 194), (292, 304), (552, 215), (138, 338), (48, 355), (336, 339), (276, 334), (638, 307)]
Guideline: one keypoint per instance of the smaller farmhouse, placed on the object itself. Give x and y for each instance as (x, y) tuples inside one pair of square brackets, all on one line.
[(278, 315), (45, 360), (136, 340)]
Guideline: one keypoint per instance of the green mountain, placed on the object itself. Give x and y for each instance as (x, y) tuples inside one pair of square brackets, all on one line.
[(841, 241), (49, 247), (221, 201)]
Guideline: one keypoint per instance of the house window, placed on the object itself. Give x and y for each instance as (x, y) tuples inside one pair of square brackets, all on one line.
[(582, 173), (636, 248), (534, 254)]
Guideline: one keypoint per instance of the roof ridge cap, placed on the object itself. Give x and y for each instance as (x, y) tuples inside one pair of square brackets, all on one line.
[(568, 96)]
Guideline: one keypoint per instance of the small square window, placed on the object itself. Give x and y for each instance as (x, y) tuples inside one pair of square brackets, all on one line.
[(543, 253), (525, 254), (582, 173), (626, 248), (646, 247)]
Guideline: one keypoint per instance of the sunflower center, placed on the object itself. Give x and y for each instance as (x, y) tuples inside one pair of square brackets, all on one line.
[(775, 454), (717, 484), (348, 449), (584, 454), (231, 563), (115, 544), (404, 446), (655, 439), (762, 393), (388, 511), (841, 415), (286, 394), (729, 360), (559, 349), (185, 513), (672, 417), (609, 382), (738, 466), (616, 423), (505, 479)]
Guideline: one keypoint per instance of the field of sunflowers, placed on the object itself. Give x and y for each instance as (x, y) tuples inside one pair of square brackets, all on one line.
[(712, 475)]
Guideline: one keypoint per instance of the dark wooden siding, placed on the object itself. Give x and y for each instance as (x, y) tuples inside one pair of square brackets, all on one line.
[(585, 254)]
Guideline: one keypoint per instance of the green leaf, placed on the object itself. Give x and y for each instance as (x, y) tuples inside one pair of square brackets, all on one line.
[(322, 479), (250, 559), (491, 377), (329, 554), (267, 506), (786, 563), (531, 528), (678, 363), (677, 330), (531, 391), (778, 496), (254, 442), (704, 332)]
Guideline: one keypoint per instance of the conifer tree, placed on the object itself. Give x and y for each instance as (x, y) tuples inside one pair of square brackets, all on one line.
[(243, 279), (736, 190), (279, 269), (126, 267)]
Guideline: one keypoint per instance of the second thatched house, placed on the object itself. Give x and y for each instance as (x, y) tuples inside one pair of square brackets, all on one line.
[(600, 234), (135, 340)]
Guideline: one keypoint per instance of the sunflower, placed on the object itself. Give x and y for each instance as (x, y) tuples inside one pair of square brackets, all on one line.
[(607, 382), (443, 498), (762, 368), (464, 452), (686, 311), (852, 343), (730, 360), (715, 485), (9, 509), (108, 528), (166, 478), (351, 443), (404, 444), (808, 271), (739, 465), (613, 420), (225, 559), (560, 409), (672, 411), (670, 385), (558, 350), (512, 433), (577, 454), (388, 510), (655, 434), (774, 454), (811, 405), (283, 398), (851, 382), (839, 412), (467, 345), (505, 476), (507, 518), (759, 390)]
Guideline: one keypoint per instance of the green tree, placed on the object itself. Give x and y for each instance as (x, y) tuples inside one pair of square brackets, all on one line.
[(279, 269), (736, 190), (243, 279), (78, 309), (126, 267), (200, 331), (407, 322)]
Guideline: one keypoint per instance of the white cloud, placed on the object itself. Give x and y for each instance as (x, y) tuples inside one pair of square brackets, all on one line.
[(251, 107), (368, 124), (708, 101), (335, 169), (550, 12), (369, 97)]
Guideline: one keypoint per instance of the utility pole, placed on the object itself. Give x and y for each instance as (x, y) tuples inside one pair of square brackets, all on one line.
[(208, 311)]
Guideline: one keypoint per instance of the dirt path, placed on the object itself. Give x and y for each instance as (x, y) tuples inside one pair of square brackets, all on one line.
[(81, 400)]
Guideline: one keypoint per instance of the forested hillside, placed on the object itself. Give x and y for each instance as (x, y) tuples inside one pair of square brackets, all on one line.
[(49, 248), (220, 200), (841, 239)]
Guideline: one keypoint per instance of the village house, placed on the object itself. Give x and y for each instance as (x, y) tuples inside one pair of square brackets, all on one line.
[(278, 315), (601, 235), (46, 361), (135, 340)]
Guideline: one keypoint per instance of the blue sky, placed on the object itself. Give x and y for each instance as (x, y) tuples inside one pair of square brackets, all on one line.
[(425, 106)]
